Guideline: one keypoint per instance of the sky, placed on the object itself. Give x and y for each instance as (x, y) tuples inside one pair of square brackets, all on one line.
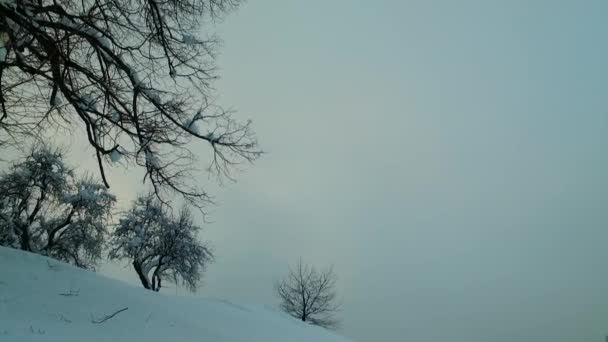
[(448, 158)]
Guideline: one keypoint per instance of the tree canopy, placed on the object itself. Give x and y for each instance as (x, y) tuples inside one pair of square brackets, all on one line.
[(136, 75), (160, 245), (309, 295), (45, 208)]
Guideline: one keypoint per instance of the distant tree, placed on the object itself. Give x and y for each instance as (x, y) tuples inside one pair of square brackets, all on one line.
[(160, 245), (46, 209), (310, 295), (135, 75)]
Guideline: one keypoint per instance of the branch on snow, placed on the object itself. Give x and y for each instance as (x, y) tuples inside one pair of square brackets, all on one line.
[(107, 317)]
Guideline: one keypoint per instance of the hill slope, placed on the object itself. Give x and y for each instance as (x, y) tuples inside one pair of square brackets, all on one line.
[(45, 300)]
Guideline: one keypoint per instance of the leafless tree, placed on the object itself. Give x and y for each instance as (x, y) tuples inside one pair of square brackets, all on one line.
[(310, 295), (136, 75), (160, 245), (46, 209)]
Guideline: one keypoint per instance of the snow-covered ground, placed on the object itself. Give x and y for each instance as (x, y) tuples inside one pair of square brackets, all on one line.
[(45, 300)]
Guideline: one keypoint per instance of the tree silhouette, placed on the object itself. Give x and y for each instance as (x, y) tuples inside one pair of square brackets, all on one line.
[(135, 75), (309, 295)]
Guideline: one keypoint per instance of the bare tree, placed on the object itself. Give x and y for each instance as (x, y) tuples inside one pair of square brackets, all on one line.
[(45, 209), (159, 245), (136, 75), (310, 295)]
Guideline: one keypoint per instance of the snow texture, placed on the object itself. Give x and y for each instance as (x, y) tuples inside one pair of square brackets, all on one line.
[(56, 101), (135, 76), (191, 125), (45, 300), (190, 39), (87, 102), (8, 3), (152, 95), (115, 156), (194, 128), (152, 159)]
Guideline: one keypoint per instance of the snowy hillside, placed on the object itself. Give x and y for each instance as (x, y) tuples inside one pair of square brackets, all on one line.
[(45, 300)]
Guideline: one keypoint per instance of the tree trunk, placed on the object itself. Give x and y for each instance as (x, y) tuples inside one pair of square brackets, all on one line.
[(155, 282), (24, 239), (142, 277), (157, 286)]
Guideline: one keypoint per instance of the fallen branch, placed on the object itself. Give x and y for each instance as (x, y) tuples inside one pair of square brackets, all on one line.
[(108, 317), (72, 293)]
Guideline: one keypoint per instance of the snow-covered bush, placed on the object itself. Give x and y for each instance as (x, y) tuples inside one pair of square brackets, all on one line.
[(46, 209), (160, 245)]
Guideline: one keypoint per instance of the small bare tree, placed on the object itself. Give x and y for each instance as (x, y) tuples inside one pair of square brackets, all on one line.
[(159, 245), (135, 75), (310, 295), (45, 209)]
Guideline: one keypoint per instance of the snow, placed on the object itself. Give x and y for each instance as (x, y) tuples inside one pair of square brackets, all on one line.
[(56, 101), (115, 156), (194, 128), (44, 300), (105, 42), (8, 3), (135, 242), (191, 125), (68, 22), (87, 102), (189, 39), (88, 192), (152, 95), (151, 159), (135, 76), (88, 99)]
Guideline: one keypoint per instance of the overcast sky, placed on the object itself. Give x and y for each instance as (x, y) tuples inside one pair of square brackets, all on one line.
[(449, 158)]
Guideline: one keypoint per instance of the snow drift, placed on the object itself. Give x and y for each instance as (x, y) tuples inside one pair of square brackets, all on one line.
[(45, 300)]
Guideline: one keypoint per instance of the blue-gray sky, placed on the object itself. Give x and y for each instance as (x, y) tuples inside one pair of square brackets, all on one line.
[(449, 158)]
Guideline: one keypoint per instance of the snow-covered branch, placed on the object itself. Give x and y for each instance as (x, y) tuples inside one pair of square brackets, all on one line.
[(135, 74)]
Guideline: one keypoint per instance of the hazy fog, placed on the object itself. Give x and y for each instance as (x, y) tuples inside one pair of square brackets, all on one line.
[(447, 157)]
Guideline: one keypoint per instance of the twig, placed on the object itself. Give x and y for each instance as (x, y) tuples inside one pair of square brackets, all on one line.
[(71, 293), (108, 317)]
